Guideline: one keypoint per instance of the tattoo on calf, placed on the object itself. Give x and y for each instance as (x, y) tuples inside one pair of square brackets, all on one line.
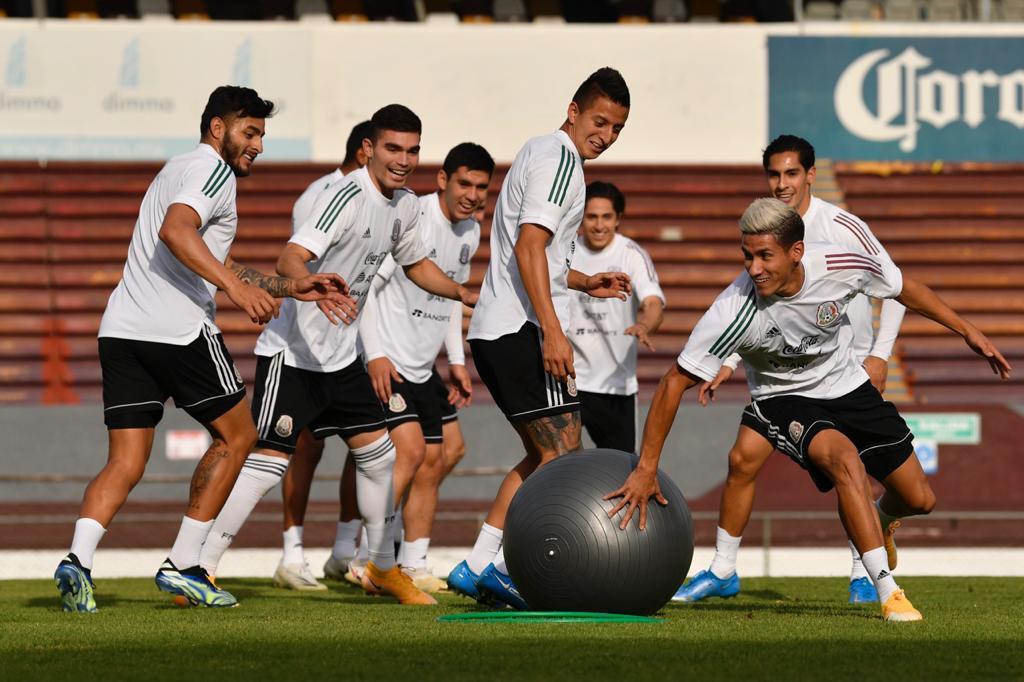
[(278, 287), (206, 471), (556, 434)]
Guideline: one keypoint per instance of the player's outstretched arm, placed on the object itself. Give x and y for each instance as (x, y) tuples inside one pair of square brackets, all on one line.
[(330, 294), (923, 300), (602, 285), (642, 484), (427, 276), (648, 319)]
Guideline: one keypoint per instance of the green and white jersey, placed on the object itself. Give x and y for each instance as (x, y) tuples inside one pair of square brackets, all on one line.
[(352, 229), (797, 345), (303, 206), (545, 187), (158, 298)]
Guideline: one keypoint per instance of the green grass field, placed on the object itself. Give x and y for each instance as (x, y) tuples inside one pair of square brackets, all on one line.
[(778, 629)]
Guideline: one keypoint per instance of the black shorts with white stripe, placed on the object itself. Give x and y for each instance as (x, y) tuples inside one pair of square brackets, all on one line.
[(449, 412), (512, 366), (139, 377), (287, 399), (872, 424), (423, 403)]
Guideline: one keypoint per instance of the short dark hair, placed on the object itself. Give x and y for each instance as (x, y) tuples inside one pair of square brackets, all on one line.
[(789, 143), (606, 190), (360, 132), (234, 100), (468, 154), (395, 117), (606, 82)]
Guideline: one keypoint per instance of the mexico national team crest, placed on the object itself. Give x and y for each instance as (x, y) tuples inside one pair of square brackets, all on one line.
[(396, 230), (464, 254), (283, 427), (828, 314), (570, 386), (796, 430), (396, 403)]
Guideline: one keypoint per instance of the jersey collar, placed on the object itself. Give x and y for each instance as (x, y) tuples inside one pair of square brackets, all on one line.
[(567, 141)]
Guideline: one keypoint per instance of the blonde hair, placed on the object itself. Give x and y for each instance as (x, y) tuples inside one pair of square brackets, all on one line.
[(774, 217)]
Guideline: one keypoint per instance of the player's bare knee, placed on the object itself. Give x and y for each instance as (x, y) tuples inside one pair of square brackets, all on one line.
[(741, 468), (924, 500), (454, 453)]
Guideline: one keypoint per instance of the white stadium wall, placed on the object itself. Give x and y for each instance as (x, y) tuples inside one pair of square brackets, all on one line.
[(135, 89)]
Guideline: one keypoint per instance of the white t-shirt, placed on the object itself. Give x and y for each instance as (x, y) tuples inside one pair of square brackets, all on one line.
[(158, 298), (352, 229), (545, 187), (604, 357), (303, 206), (798, 345), (409, 325)]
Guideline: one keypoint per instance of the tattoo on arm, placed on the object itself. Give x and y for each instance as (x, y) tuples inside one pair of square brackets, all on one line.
[(278, 287), (556, 434)]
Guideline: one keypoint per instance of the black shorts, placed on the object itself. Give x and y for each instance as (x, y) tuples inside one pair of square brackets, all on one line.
[(419, 402), (875, 427), (609, 419), (139, 377), (449, 412), (287, 400), (512, 366)]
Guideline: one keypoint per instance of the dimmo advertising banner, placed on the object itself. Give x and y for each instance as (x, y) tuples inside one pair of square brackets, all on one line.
[(900, 98)]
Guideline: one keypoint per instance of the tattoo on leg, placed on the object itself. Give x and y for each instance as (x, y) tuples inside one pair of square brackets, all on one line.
[(206, 471), (557, 434)]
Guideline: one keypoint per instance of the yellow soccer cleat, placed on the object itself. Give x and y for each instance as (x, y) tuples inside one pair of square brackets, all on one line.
[(897, 608), (890, 543), (423, 579), (395, 583)]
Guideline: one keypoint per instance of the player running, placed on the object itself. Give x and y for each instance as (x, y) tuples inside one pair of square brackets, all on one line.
[(517, 333), (605, 332), (810, 396), (158, 339)]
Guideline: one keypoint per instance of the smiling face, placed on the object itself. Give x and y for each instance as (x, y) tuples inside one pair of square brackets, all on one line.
[(241, 141), (391, 159), (789, 181), (774, 268), (600, 222), (596, 127), (463, 193)]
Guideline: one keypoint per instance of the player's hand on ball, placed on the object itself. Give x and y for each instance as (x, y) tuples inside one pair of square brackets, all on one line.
[(609, 285), (636, 493), (642, 334), (980, 344), (706, 392), (381, 373)]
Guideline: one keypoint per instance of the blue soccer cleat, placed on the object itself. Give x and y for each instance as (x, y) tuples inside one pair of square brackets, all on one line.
[(75, 584), (194, 584), (462, 580), (497, 589), (862, 591), (706, 584)]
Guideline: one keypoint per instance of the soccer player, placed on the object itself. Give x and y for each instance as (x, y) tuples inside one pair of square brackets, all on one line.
[(402, 329), (605, 332), (810, 396), (517, 333), (158, 339), (308, 373), (293, 570), (789, 166)]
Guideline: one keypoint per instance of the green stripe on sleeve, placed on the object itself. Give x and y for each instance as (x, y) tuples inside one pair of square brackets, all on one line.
[(225, 172), (558, 175), (209, 180), (568, 177), (330, 206), (339, 208), (745, 313)]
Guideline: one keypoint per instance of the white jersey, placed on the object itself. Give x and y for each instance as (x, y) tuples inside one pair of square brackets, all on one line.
[(353, 227), (158, 298), (605, 357), (410, 324), (545, 187), (798, 345), (303, 207)]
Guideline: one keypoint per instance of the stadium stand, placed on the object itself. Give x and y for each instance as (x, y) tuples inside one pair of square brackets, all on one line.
[(64, 230)]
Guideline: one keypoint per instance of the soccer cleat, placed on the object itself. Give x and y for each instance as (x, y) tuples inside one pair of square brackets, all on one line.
[(297, 577), (462, 580), (862, 591), (424, 579), (335, 568), (890, 543), (395, 583), (194, 584), (496, 589), (355, 571), (706, 584), (75, 584), (897, 608)]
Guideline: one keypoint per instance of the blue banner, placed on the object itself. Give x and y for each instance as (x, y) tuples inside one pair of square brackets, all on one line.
[(921, 99)]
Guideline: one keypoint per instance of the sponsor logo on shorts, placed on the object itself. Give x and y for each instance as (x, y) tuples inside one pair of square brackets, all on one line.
[(284, 425), (828, 314), (464, 254), (796, 429), (396, 403), (396, 230), (570, 386)]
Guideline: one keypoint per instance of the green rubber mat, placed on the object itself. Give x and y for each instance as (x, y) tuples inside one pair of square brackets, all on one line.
[(545, 617)]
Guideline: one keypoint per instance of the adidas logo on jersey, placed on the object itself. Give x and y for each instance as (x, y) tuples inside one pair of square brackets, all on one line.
[(433, 253), (772, 333), (366, 235)]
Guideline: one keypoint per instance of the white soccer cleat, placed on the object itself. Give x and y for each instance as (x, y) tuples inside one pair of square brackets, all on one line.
[(423, 579), (335, 568), (297, 577)]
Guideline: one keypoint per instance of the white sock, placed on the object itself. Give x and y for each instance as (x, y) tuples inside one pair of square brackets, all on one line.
[(857, 569), (88, 533), (293, 553), (486, 547), (191, 536), (345, 539), (884, 517), (259, 474), (375, 492), (414, 553), (399, 540), (726, 549), (876, 561), (361, 553), (499, 561)]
